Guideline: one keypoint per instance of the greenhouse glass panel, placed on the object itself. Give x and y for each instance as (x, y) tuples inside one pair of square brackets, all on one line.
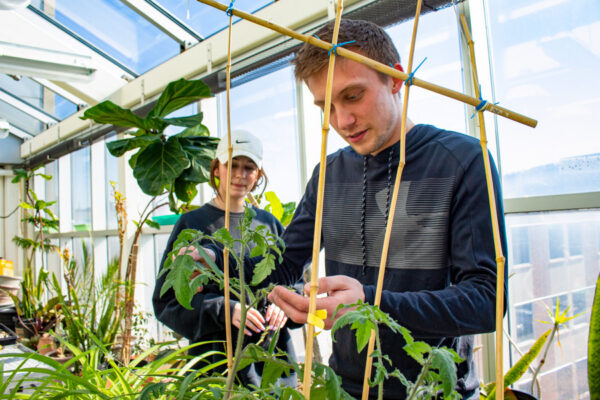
[(561, 271), (438, 47), (118, 31), (81, 190), (545, 61), (206, 20), (266, 107)]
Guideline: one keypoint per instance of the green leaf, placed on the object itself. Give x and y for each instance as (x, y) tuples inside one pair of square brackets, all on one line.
[(158, 165), (178, 278), (417, 350), (200, 151), (185, 190), (108, 112), (443, 360), (119, 147), (263, 269), (363, 329), (594, 346), (271, 372), (276, 206), (223, 236), (198, 130), (20, 174), (26, 206), (188, 122), (153, 224), (178, 94)]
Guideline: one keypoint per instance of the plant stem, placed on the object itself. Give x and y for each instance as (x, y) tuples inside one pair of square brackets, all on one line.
[(240, 338), (543, 360), (380, 357), (424, 371)]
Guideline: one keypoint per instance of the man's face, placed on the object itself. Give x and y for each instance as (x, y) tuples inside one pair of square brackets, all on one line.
[(365, 111)]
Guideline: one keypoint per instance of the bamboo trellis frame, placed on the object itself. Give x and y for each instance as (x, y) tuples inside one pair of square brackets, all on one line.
[(314, 278), (385, 69), (228, 341), (390, 71), (494, 215)]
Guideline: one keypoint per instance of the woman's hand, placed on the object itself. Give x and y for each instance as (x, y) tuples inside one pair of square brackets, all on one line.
[(275, 317), (254, 320)]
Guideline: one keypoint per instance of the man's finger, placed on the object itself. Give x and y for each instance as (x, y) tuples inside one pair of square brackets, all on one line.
[(292, 304)]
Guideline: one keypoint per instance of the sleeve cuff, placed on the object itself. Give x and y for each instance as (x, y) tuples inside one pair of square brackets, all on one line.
[(369, 294)]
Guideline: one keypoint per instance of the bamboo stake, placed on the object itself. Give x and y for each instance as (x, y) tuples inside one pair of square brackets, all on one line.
[(228, 340), (504, 112), (392, 209), (314, 278), (495, 227)]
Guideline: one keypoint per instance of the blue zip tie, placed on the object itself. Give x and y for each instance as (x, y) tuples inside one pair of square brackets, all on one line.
[(409, 80), (229, 10), (481, 105), (335, 46), (317, 37)]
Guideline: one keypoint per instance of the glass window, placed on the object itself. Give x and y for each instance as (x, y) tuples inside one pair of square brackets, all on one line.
[(266, 107), (520, 245), (556, 241), (207, 20), (52, 186), (113, 247), (545, 280), (535, 45), (81, 189), (524, 322), (438, 41), (111, 164), (130, 39), (63, 107), (575, 239)]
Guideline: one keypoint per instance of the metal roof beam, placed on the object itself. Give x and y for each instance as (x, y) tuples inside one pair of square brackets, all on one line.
[(61, 92), (165, 21), (19, 132), (27, 108)]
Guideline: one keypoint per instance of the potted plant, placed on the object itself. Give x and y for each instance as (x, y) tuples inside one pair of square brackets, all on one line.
[(172, 165), (544, 342)]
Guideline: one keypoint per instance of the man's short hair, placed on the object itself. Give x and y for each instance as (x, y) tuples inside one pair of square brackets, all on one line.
[(369, 39)]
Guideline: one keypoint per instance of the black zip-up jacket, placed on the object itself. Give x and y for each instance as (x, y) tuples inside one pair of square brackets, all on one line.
[(440, 279)]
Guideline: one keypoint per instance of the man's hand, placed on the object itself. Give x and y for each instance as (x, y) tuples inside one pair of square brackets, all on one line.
[(340, 289), (254, 320)]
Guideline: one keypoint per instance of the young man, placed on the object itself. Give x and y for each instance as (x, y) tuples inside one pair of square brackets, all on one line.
[(441, 274)]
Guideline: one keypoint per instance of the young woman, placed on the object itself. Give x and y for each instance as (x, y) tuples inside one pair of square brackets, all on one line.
[(206, 322)]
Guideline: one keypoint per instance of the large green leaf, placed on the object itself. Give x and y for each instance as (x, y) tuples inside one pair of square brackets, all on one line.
[(119, 147), (158, 165), (185, 190), (197, 130), (188, 122), (178, 94), (108, 112), (200, 151), (594, 346)]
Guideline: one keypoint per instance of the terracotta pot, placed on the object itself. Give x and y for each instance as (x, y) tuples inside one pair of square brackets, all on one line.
[(46, 344)]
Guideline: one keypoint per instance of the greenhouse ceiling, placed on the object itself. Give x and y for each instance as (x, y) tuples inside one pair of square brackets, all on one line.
[(58, 57)]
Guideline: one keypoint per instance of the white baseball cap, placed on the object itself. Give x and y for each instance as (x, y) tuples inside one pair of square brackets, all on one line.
[(243, 143)]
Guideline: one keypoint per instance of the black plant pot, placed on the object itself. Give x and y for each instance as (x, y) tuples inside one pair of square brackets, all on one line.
[(24, 327), (523, 396)]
